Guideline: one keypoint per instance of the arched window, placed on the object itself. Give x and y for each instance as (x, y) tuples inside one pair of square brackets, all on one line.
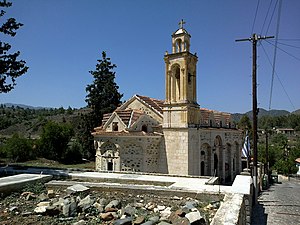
[(177, 80), (145, 128), (178, 45)]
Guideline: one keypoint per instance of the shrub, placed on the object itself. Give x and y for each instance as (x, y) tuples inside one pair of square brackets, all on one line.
[(73, 154), (19, 149)]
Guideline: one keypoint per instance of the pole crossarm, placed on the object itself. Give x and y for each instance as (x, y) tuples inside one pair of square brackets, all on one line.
[(254, 37)]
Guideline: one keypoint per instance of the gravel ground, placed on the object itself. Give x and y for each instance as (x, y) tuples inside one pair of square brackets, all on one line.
[(18, 208)]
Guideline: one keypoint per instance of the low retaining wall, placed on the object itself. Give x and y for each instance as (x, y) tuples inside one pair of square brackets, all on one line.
[(237, 206), (17, 182)]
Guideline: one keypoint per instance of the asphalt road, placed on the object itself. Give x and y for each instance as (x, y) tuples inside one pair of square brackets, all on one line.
[(280, 204)]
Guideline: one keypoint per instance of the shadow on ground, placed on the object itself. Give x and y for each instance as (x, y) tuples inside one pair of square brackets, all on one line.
[(259, 217)]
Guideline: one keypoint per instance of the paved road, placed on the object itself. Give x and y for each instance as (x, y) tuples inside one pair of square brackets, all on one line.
[(280, 204)]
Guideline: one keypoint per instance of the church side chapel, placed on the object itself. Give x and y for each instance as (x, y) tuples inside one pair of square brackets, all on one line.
[(171, 136)]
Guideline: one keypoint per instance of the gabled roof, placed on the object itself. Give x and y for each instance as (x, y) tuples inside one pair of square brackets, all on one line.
[(128, 116), (155, 104), (152, 102)]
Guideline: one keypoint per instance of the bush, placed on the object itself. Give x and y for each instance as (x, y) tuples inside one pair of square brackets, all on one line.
[(73, 154), (19, 149)]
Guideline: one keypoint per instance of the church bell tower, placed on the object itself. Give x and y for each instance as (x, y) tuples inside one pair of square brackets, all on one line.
[(180, 109)]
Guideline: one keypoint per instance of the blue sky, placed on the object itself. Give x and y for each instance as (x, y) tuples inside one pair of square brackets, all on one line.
[(62, 40)]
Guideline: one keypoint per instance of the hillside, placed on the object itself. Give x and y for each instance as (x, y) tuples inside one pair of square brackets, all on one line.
[(29, 121), (262, 112)]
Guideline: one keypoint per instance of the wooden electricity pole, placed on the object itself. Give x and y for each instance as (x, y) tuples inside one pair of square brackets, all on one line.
[(254, 40)]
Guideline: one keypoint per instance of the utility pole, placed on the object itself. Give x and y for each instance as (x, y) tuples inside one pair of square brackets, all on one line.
[(254, 40)]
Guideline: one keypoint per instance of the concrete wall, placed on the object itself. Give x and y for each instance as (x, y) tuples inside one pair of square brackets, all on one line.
[(237, 206)]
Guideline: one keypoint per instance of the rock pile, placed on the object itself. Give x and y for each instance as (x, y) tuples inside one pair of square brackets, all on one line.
[(78, 205)]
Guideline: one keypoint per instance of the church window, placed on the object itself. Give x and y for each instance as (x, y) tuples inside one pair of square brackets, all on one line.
[(210, 123), (115, 126), (145, 128), (177, 80), (221, 124)]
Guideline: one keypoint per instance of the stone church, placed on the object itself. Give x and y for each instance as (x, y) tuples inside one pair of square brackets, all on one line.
[(171, 136)]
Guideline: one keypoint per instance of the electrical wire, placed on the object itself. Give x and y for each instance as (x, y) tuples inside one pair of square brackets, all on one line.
[(278, 77), (288, 39), (292, 46), (284, 51), (275, 51), (255, 16), (271, 17), (266, 17)]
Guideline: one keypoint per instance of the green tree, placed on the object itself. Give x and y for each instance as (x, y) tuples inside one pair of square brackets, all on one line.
[(19, 149), (10, 67), (54, 140), (84, 136), (103, 95)]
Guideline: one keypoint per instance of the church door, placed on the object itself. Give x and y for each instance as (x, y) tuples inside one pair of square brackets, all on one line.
[(110, 166), (202, 168)]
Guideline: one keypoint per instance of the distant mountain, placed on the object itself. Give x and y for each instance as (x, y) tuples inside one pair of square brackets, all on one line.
[(262, 112), (296, 112), (10, 105)]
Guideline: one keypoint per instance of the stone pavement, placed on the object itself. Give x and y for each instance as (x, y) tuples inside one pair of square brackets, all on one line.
[(280, 204)]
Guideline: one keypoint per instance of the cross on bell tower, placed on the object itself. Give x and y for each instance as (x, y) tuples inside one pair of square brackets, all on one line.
[(181, 24)]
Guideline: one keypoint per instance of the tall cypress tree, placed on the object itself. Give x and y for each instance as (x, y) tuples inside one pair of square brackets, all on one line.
[(10, 67), (103, 95)]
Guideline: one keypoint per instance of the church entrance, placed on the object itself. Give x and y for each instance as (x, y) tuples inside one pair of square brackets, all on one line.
[(202, 168), (110, 166)]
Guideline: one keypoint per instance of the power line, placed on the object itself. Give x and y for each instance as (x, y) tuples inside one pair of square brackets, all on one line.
[(271, 17), (293, 46), (266, 17), (255, 16), (275, 51), (284, 51), (289, 39), (278, 77)]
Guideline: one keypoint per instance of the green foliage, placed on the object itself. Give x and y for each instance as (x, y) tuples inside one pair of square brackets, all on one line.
[(84, 136), (103, 95), (282, 156), (73, 154), (10, 67), (19, 149), (54, 140), (288, 121), (245, 123)]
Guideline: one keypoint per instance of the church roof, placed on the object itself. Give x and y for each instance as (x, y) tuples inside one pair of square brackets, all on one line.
[(154, 103), (128, 116), (123, 133), (181, 31)]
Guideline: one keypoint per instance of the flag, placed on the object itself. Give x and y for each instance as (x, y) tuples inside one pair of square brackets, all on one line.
[(246, 147)]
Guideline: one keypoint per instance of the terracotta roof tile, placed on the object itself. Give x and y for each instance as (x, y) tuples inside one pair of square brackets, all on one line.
[(154, 103)]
